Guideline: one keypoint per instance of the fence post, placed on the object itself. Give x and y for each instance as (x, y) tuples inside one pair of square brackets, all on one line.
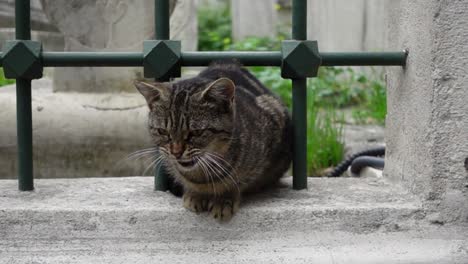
[(23, 103), (299, 98), (161, 19)]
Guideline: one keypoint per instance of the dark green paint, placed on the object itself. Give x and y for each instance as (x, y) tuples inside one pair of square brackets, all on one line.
[(161, 59), (99, 59), (247, 58), (23, 19), (23, 104), (203, 58), (24, 132), (161, 183), (293, 65), (299, 19), (299, 112), (364, 58), (161, 14), (299, 118), (22, 59)]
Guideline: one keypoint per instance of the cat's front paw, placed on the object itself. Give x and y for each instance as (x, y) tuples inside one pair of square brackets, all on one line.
[(223, 208), (195, 203)]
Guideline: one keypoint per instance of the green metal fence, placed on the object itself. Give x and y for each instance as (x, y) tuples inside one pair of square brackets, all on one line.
[(162, 59)]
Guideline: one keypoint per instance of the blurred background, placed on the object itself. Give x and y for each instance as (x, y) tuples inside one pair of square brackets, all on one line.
[(87, 120)]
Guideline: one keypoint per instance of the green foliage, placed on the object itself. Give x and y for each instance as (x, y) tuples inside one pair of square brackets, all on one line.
[(214, 33), (339, 87), (374, 108), (4, 81), (345, 87), (325, 146), (214, 28), (257, 44)]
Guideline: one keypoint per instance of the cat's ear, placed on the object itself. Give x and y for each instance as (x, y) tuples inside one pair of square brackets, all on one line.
[(221, 89), (151, 91)]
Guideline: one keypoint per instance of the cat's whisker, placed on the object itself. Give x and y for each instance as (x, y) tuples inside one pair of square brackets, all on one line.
[(214, 173), (149, 159), (143, 156), (152, 164), (143, 152), (205, 171), (134, 156), (226, 172), (225, 162), (151, 149), (215, 170), (153, 159)]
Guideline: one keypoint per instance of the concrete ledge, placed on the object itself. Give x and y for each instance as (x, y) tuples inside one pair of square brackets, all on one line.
[(129, 207), (118, 220)]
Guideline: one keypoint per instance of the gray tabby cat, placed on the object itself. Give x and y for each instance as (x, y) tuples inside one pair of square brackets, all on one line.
[(220, 134)]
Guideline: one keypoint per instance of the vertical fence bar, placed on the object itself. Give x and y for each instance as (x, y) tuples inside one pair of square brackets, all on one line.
[(299, 96), (161, 19), (161, 16), (23, 104)]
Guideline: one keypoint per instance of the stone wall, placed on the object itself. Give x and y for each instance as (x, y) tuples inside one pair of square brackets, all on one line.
[(427, 121), (42, 29), (338, 25), (253, 18), (343, 25), (112, 25)]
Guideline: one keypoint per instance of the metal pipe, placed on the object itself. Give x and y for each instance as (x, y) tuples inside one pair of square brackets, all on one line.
[(299, 120), (364, 58), (204, 58), (23, 104), (299, 102), (161, 20), (22, 19), (299, 19), (76, 59), (24, 135), (247, 58)]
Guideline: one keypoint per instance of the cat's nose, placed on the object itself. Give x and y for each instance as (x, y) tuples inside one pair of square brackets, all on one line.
[(177, 149)]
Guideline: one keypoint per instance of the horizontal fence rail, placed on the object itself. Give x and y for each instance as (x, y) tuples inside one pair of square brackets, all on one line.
[(204, 58)]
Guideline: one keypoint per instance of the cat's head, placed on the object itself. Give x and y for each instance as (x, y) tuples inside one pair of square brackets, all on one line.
[(190, 120)]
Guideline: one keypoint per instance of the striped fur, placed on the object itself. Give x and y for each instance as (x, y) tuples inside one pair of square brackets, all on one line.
[(221, 134)]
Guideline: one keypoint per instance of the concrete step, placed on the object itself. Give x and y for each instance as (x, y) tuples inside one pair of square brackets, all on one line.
[(118, 220)]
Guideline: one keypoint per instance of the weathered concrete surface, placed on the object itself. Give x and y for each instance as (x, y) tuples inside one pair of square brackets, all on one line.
[(76, 134), (427, 122), (121, 220)]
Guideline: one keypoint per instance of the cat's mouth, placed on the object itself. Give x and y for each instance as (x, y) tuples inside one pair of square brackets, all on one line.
[(186, 162)]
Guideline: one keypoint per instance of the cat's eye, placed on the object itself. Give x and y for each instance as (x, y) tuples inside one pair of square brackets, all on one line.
[(162, 132), (196, 133)]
